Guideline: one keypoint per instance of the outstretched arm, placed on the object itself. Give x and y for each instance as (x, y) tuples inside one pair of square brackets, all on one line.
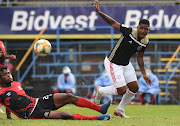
[(141, 66), (107, 18), (11, 57)]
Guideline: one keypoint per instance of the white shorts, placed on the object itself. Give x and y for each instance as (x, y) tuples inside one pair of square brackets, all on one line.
[(120, 75)]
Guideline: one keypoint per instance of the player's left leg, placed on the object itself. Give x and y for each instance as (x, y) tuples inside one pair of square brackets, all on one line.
[(132, 84), (126, 99), (62, 99), (66, 115), (100, 91), (128, 96)]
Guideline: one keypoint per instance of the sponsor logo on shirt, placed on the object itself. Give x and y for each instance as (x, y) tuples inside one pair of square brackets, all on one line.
[(8, 94), (130, 42)]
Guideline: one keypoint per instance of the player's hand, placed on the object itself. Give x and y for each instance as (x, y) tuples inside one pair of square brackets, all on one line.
[(147, 79), (96, 6), (10, 118), (12, 56)]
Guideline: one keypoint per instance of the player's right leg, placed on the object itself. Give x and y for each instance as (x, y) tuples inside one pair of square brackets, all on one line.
[(66, 115), (131, 80), (62, 99), (108, 90)]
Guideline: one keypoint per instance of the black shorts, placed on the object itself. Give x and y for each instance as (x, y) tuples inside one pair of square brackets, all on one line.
[(44, 106)]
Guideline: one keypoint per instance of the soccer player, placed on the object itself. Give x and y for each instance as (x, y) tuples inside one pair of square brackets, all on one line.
[(2, 60), (117, 64), (3, 55), (13, 97)]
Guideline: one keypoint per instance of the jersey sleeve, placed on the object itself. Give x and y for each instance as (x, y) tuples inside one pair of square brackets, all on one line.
[(16, 83), (144, 48), (125, 30)]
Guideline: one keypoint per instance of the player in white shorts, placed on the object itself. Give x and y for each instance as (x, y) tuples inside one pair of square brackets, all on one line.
[(117, 65), (120, 75)]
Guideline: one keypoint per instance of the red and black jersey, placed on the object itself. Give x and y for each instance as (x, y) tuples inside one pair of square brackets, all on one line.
[(15, 100), (2, 54)]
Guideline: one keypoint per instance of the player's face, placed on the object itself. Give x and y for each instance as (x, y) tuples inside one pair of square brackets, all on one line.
[(142, 30), (5, 77)]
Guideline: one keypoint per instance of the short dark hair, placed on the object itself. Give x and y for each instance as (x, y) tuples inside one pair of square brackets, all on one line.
[(2, 68), (144, 21)]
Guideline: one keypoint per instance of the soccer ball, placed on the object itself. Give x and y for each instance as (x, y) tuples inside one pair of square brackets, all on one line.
[(42, 47)]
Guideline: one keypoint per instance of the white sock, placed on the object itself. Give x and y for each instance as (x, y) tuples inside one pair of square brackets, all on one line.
[(127, 98), (108, 90)]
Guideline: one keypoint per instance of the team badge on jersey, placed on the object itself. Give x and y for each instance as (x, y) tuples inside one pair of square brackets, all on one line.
[(139, 48), (20, 88)]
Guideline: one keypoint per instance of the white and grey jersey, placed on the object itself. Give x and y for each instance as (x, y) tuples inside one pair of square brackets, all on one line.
[(127, 46)]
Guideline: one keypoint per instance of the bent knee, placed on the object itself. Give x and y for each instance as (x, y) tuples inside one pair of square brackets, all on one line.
[(71, 98), (133, 86), (70, 95), (134, 89)]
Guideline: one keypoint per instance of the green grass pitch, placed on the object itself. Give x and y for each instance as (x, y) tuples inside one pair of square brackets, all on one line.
[(141, 115)]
